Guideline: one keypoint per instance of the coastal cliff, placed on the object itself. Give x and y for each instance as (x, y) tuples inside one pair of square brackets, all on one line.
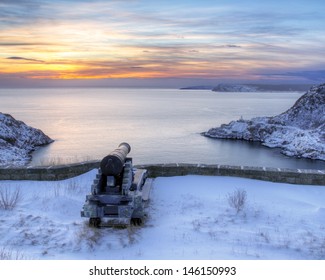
[(299, 132), (18, 140)]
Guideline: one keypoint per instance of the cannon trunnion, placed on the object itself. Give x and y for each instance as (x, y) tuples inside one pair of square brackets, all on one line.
[(117, 193)]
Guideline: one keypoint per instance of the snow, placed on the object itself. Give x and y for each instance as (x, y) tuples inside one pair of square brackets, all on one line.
[(189, 217), (18, 140), (299, 132)]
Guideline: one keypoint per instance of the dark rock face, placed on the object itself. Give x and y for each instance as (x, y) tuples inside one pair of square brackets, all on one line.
[(18, 140), (300, 131)]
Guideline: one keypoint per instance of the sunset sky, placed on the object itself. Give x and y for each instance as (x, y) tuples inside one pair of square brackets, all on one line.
[(159, 42)]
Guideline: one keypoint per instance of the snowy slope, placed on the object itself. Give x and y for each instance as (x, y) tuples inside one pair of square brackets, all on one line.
[(189, 217), (18, 140), (300, 131)]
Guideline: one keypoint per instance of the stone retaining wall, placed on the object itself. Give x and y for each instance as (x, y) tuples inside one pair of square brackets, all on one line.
[(50, 173), (293, 176)]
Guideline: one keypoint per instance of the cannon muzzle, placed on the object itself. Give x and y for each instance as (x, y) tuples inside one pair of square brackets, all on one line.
[(113, 163)]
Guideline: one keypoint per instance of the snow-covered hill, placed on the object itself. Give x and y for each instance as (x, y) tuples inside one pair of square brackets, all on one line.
[(299, 132), (18, 140)]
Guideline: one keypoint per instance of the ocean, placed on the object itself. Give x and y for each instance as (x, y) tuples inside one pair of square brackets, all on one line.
[(161, 125)]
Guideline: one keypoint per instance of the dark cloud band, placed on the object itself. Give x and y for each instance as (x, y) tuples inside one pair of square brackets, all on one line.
[(24, 58)]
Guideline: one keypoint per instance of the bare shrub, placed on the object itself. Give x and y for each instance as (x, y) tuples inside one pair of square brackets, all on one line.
[(315, 244), (73, 187), (10, 254), (264, 235), (57, 190), (59, 160), (196, 225), (237, 199), (88, 236), (9, 197)]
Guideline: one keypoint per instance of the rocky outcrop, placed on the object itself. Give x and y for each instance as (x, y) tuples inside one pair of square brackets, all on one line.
[(18, 140), (299, 132)]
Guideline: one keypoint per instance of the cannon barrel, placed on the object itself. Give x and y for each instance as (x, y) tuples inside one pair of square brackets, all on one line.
[(113, 163)]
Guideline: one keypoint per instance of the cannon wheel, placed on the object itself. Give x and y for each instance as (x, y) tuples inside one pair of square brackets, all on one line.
[(136, 221), (94, 222)]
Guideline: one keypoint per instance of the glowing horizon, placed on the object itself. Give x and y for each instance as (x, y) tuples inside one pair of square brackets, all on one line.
[(76, 39)]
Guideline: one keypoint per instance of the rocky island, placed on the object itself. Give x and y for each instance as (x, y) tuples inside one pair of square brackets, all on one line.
[(299, 132), (18, 140)]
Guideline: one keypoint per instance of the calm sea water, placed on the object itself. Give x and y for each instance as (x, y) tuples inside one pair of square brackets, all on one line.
[(161, 125)]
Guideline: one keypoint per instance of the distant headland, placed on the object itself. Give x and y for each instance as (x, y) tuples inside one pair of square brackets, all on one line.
[(224, 87)]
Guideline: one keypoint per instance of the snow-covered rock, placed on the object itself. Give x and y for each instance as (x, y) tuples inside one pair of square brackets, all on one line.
[(18, 140), (299, 132)]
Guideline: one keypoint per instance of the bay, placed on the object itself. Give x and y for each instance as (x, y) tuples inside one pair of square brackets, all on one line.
[(161, 125)]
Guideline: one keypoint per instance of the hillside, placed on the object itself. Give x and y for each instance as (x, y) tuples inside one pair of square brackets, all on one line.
[(299, 132), (18, 140)]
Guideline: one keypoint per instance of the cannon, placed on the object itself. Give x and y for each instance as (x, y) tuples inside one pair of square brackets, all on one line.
[(114, 162), (119, 192)]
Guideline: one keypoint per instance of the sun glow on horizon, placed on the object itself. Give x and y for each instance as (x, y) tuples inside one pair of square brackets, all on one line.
[(100, 40)]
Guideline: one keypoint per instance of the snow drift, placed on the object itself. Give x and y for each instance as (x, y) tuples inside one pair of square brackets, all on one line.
[(299, 132), (18, 140)]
